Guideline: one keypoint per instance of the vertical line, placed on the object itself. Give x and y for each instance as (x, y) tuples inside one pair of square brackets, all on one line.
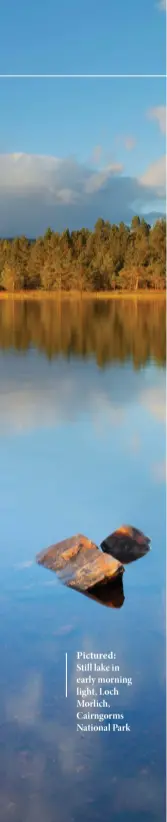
[(66, 673)]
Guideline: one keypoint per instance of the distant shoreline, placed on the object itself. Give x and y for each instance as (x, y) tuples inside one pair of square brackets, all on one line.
[(142, 294)]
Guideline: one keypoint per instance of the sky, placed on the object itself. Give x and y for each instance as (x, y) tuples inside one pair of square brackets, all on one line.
[(75, 149), (84, 36)]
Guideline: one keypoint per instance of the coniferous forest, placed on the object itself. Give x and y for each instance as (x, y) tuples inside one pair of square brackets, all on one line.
[(109, 258)]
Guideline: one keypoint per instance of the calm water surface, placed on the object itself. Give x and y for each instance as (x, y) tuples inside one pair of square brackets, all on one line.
[(82, 444)]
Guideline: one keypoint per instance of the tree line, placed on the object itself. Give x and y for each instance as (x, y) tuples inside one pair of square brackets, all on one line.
[(111, 257)]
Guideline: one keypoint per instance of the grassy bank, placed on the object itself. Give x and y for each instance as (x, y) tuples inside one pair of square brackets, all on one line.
[(84, 295)]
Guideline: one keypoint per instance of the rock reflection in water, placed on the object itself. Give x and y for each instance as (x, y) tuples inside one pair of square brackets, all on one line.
[(111, 594)]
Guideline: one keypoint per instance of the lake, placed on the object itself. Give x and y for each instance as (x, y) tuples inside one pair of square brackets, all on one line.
[(82, 443)]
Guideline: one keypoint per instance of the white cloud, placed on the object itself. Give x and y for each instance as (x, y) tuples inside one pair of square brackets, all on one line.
[(97, 180), (67, 196), (37, 191), (25, 173), (155, 176), (158, 113)]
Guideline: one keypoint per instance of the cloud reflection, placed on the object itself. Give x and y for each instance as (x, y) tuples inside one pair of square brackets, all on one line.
[(24, 707), (154, 400), (67, 392)]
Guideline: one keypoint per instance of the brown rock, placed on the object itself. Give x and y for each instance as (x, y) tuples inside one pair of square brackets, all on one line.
[(80, 564), (127, 544)]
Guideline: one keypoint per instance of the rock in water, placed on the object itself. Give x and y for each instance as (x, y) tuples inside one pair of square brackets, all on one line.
[(80, 564), (126, 544)]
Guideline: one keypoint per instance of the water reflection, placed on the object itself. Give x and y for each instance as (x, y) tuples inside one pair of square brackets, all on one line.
[(111, 594), (104, 329), (82, 449)]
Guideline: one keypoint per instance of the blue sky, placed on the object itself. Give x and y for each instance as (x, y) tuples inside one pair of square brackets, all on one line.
[(63, 117), (92, 37), (74, 149)]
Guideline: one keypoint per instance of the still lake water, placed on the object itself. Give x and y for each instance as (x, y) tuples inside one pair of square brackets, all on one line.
[(82, 445)]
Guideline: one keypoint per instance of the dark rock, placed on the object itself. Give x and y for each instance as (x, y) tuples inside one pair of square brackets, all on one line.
[(126, 544), (80, 564)]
